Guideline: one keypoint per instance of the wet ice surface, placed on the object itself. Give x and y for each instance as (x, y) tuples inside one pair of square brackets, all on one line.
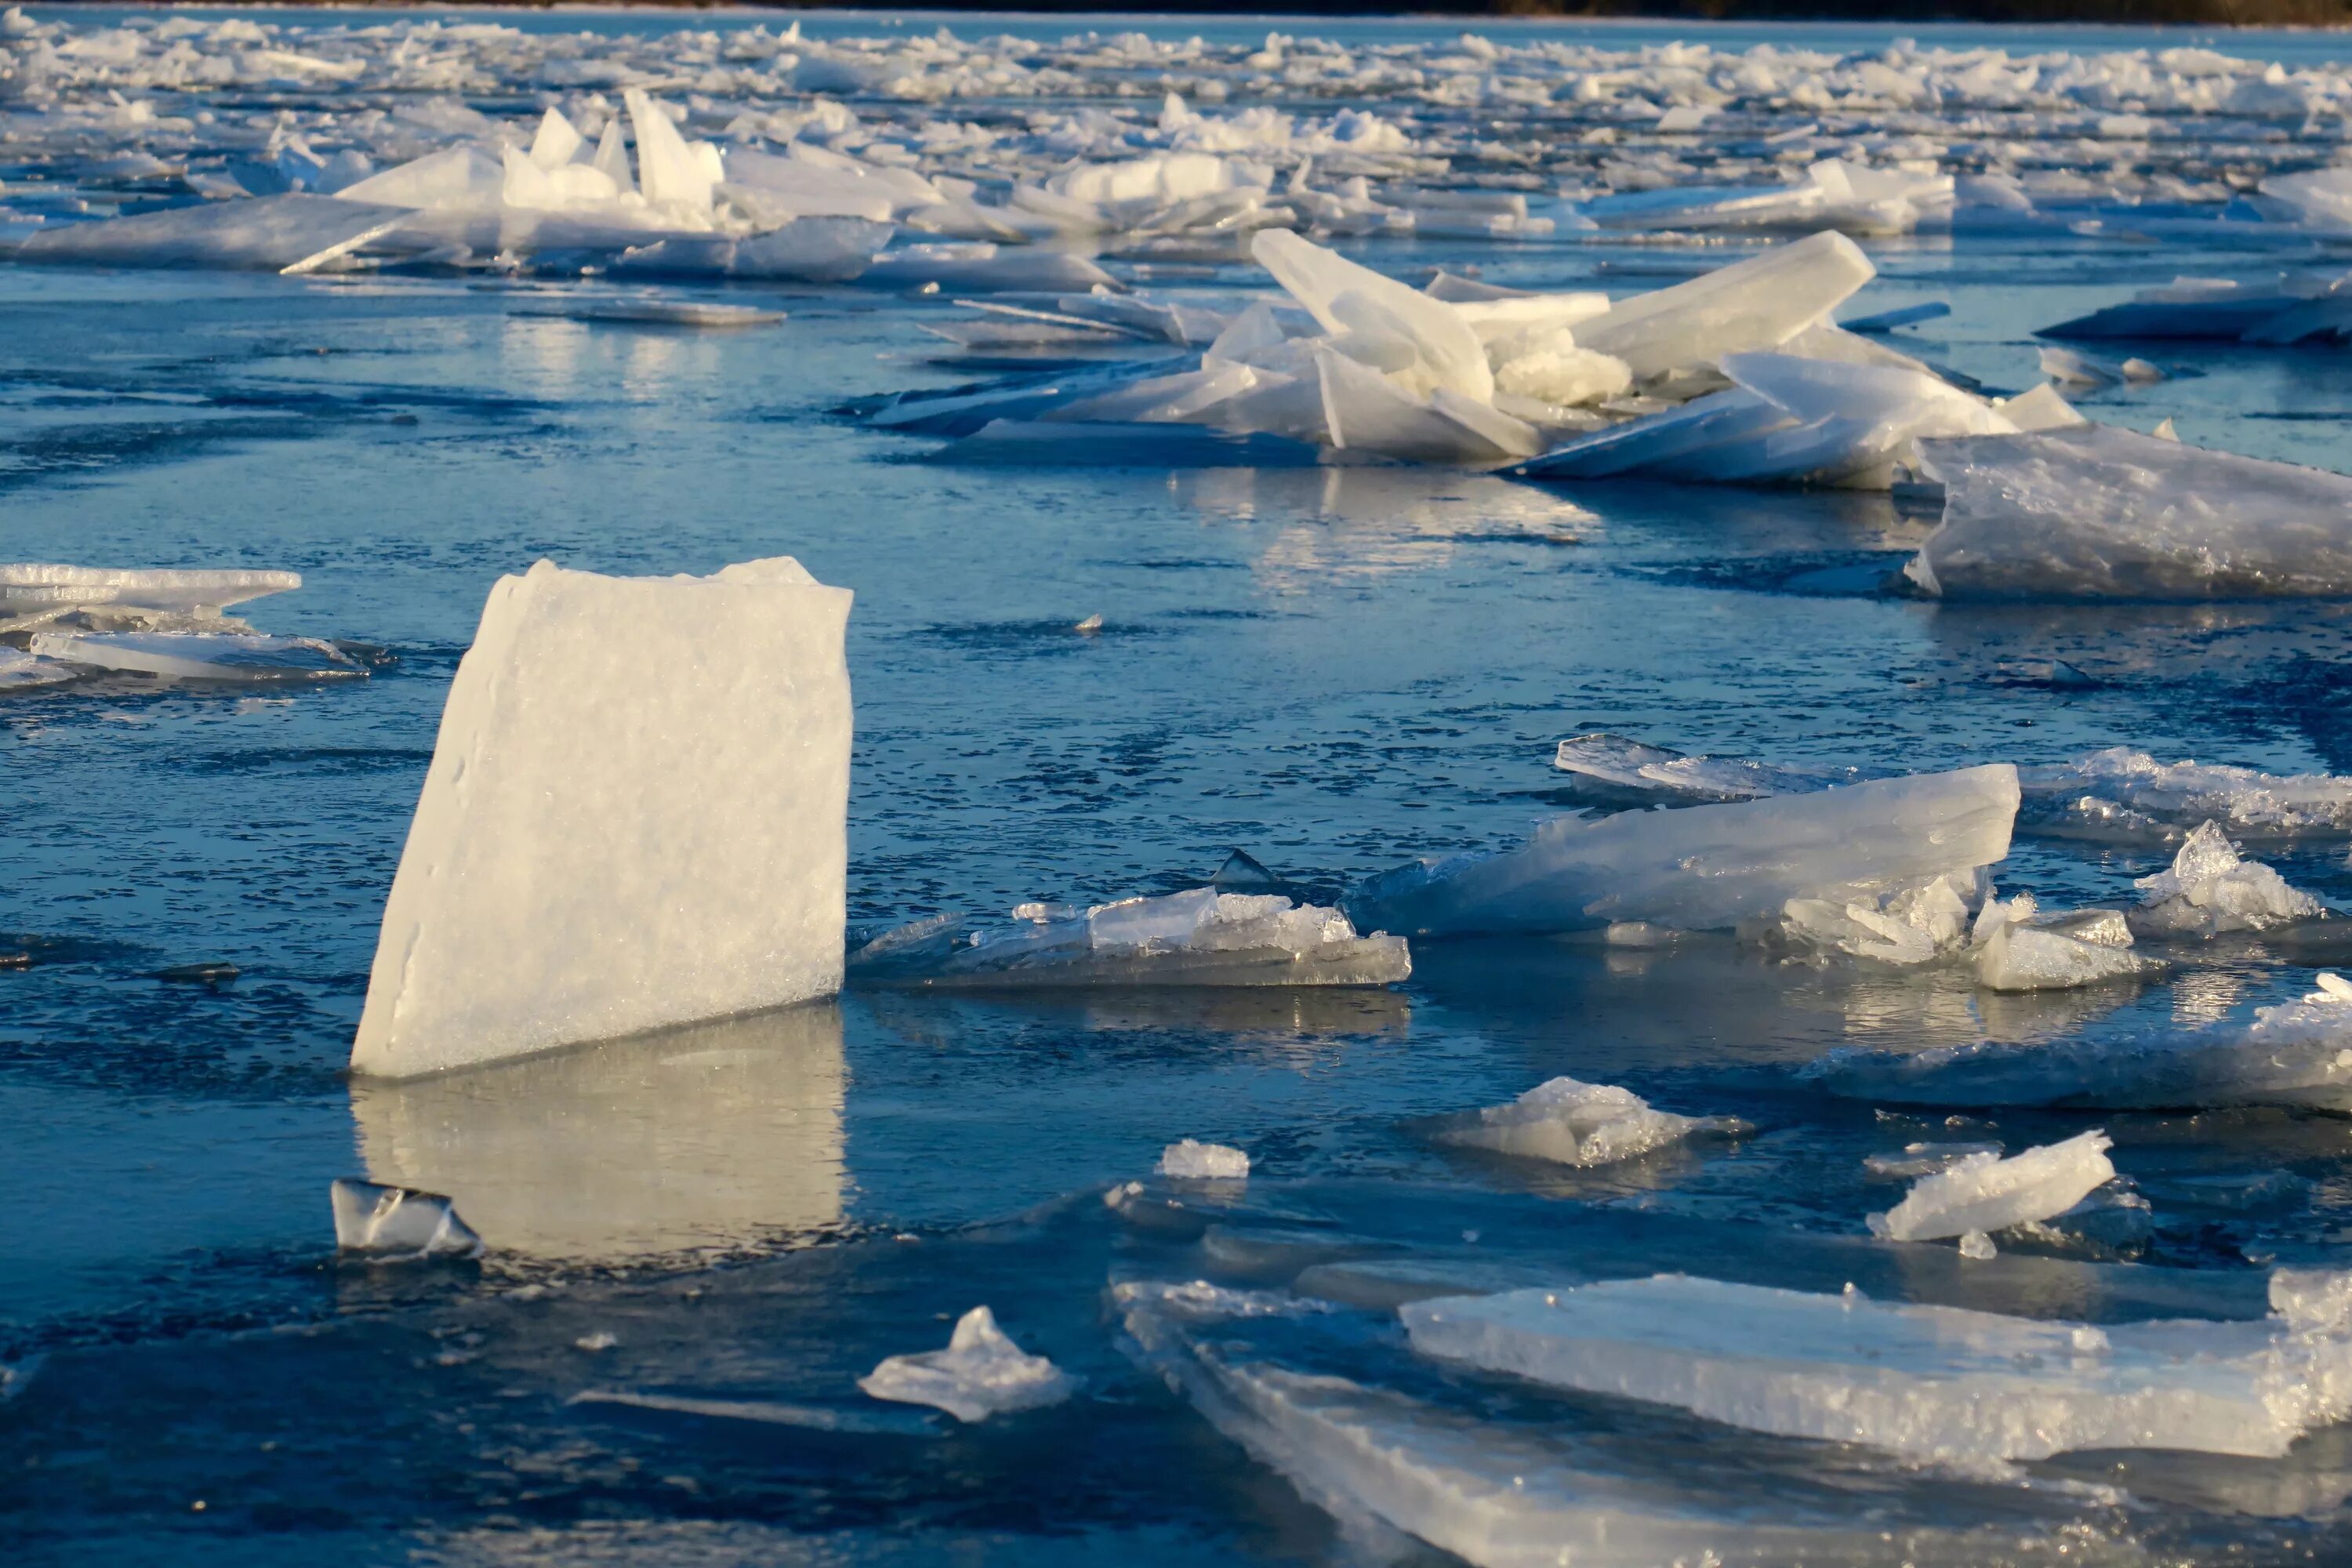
[(713, 1235)]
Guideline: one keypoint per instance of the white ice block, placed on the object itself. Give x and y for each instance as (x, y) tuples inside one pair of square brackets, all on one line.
[(981, 1374), (1983, 1191), (1710, 866), (2209, 889), (1759, 303), (1188, 1159), (636, 816), (1941, 1384), (1571, 1122), (2103, 513)]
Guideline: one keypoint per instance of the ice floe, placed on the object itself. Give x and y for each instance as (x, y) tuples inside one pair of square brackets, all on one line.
[(2210, 888), (2289, 308), (1940, 1384), (1190, 1159), (397, 1225), (1710, 866), (2295, 1054), (1984, 1192), (1569, 1122), (519, 918), (2106, 513), (1202, 937), (981, 1374)]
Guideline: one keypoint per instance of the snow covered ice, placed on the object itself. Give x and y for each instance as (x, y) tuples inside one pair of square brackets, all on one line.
[(1190, 1159), (2106, 513), (397, 1225), (1984, 1192), (1710, 866), (1201, 937), (519, 918), (1940, 1384), (981, 1374), (1573, 1123)]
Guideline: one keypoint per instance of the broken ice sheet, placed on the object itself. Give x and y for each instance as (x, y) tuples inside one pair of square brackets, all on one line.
[(2210, 890), (981, 1374), (200, 656), (2015, 947), (21, 672), (2295, 1054), (1940, 1384), (398, 1224), (1203, 937), (2106, 513), (1569, 1122), (1983, 1191), (1710, 866), (108, 598)]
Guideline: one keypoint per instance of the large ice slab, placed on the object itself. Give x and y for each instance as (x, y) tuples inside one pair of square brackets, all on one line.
[(33, 593), (1983, 1191), (2104, 513), (981, 1374), (1202, 937), (1759, 303), (1569, 1122), (2298, 1054), (621, 832), (2210, 888), (1934, 1383), (1711, 867), (267, 232)]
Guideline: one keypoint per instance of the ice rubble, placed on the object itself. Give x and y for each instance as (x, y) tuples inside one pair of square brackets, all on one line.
[(1574, 1123), (1982, 1192), (2292, 308), (981, 1374), (398, 1224), (2014, 946), (1713, 867), (2101, 512), (2210, 890), (520, 916), (1940, 1384), (1189, 1160), (2295, 1054), (1201, 937)]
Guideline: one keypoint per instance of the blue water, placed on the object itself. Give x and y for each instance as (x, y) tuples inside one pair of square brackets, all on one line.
[(1334, 669)]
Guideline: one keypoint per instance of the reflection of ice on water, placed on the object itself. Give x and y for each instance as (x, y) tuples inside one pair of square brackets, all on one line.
[(705, 1137)]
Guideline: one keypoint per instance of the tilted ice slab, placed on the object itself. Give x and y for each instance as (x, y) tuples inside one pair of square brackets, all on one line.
[(2101, 512), (981, 1374), (398, 1224), (32, 594), (615, 835), (200, 656), (1711, 867), (1983, 1191), (2293, 308), (2297, 1053), (21, 672), (1573, 1123), (1940, 1384), (1759, 303), (1851, 198), (1203, 937), (1618, 763), (2210, 890)]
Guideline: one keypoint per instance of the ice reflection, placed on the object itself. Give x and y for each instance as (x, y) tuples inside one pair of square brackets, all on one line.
[(695, 1138)]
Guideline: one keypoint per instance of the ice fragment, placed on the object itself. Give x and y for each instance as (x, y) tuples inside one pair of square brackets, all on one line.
[(981, 1374)]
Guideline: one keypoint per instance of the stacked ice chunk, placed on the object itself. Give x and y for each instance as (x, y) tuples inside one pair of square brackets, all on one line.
[(59, 622)]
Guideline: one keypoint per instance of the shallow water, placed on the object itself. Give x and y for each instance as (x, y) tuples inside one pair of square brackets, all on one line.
[(1333, 668)]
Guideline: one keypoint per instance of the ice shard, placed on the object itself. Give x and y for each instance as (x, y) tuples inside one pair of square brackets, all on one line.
[(1202, 937), (619, 834), (398, 1224), (981, 1374), (1759, 303), (2104, 513), (1983, 1191), (1569, 1122), (2210, 890), (1710, 866), (1343, 297), (200, 656), (1937, 1384), (2296, 1055)]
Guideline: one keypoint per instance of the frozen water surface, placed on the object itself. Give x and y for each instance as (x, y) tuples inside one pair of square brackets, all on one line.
[(1088, 665)]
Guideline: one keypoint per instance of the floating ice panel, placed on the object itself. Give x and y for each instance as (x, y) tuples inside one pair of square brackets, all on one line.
[(621, 832), (266, 232), (29, 590), (1759, 303), (25, 672), (200, 656), (1983, 1191), (1569, 1122), (981, 1374)]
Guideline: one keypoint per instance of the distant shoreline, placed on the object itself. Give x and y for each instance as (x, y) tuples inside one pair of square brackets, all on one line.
[(2300, 13)]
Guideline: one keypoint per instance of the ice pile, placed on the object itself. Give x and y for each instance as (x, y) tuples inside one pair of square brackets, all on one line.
[(1908, 923), (1712, 867), (1569, 1122), (1939, 1383), (2210, 890), (2292, 308), (67, 621), (396, 1224), (2296, 1054), (523, 915), (981, 1374), (1981, 1193), (1202, 937), (2100, 512), (1190, 1159), (2014, 946)]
